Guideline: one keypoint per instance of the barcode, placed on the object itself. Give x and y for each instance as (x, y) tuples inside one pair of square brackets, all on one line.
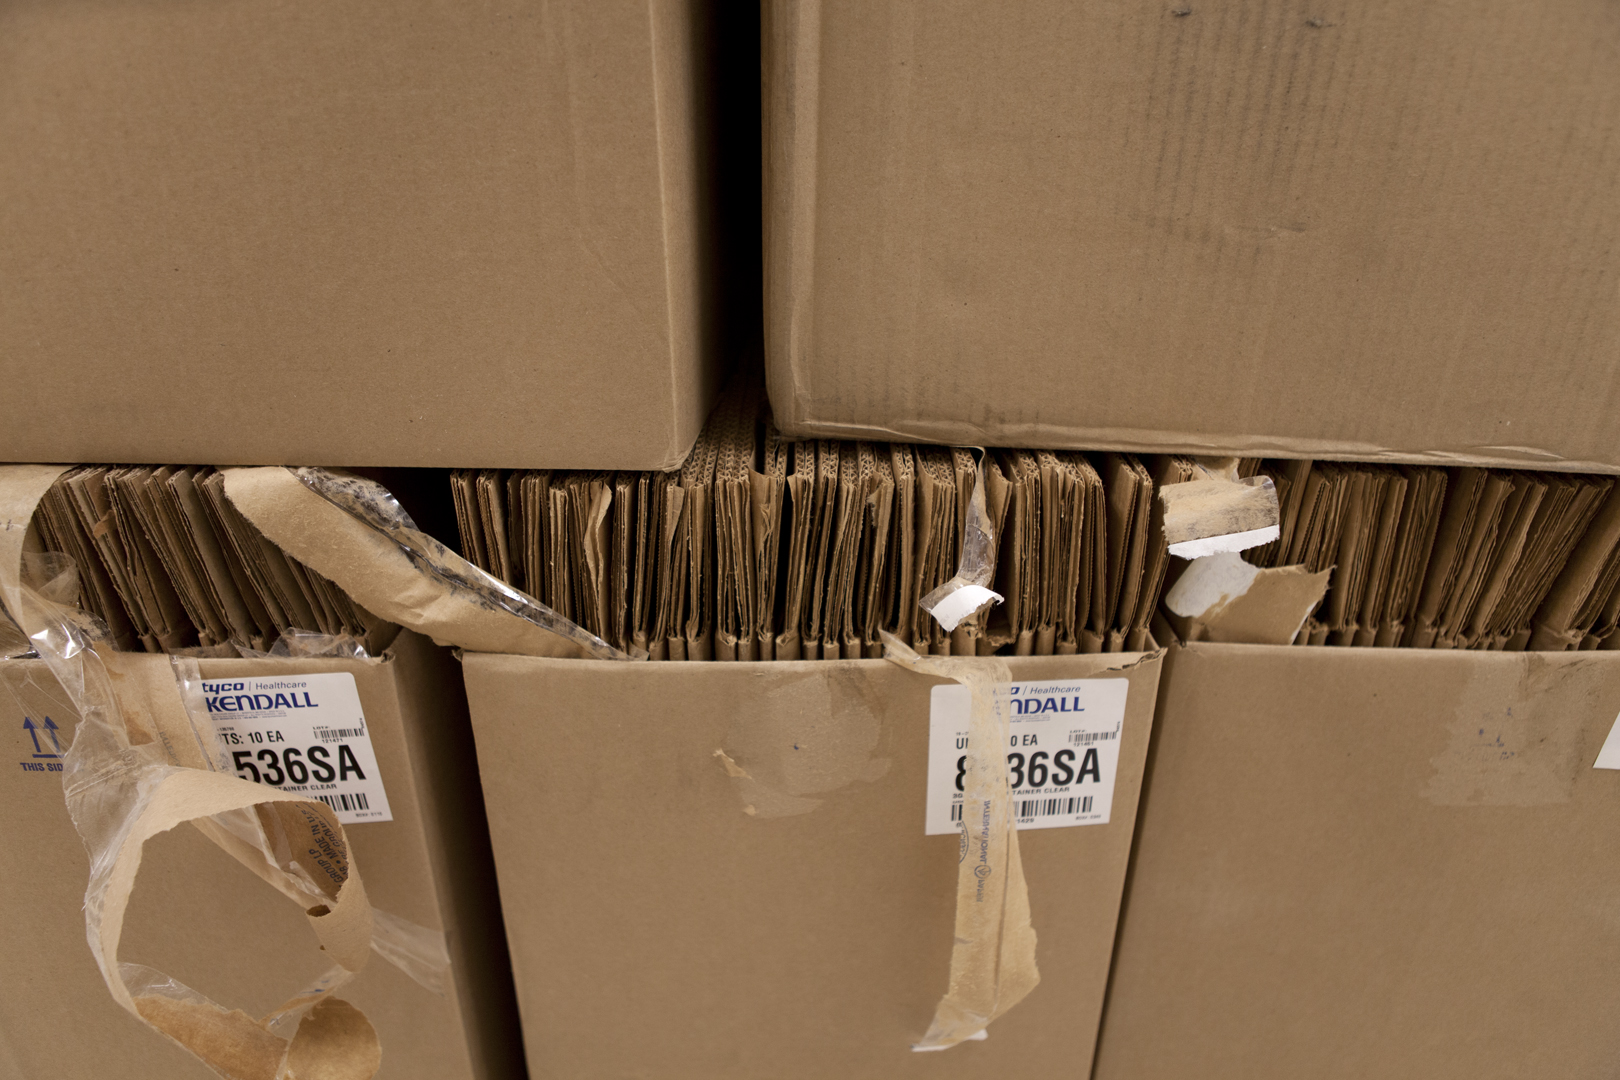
[(1034, 808), (1086, 738), (356, 801), (1026, 809), (327, 734)]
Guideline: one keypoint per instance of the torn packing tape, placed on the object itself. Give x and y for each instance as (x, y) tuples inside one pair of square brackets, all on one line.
[(993, 958), (968, 592), (352, 531), (1217, 513), (142, 762)]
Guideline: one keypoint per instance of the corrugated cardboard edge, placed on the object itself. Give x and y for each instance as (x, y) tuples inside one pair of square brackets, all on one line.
[(792, 416), (791, 33)]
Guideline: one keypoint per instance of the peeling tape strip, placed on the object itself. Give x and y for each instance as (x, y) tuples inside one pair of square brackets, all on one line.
[(993, 958), (1215, 514), (351, 531)]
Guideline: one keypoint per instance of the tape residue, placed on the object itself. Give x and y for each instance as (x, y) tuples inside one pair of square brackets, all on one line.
[(814, 734), (1518, 735), (1217, 513)]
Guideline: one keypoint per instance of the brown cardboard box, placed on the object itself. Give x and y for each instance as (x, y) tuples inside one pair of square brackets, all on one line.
[(368, 234), (1379, 231), (657, 929), (209, 922), (1372, 862)]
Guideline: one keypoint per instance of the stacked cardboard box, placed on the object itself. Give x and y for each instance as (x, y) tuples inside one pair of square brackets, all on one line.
[(369, 235), (377, 236), (696, 886), (1379, 234), (165, 562)]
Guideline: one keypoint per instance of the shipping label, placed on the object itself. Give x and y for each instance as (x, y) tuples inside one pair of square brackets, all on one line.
[(300, 733), (1062, 751)]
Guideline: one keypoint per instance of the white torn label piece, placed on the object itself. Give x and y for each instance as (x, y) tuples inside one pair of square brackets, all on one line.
[(1227, 542), (1209, 584), (304, 734), (978, 1036), (1237, 602), (956, 606), (1609, 756), (1062, 753)]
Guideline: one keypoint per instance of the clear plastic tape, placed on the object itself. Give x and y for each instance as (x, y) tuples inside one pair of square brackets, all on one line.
[(139, 763), (373, 505), (969, 591), (993, 955), (308, 645)]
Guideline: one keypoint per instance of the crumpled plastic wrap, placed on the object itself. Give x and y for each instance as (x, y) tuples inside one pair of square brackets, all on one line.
[(143, 759)]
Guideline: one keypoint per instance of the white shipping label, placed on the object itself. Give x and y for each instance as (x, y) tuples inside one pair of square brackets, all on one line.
[(1609, 756), (303, 734), (1062, 753)]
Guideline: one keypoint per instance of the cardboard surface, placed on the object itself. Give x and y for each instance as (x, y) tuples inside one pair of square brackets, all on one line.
[(1380, 231), (366, 234), (658, 929), (1373, 862), (208, 921)]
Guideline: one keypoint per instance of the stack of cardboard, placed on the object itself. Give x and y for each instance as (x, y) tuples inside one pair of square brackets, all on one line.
[(768, 548)]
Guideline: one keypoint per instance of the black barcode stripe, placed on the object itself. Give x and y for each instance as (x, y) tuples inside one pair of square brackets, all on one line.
[(334, 734), (1025, 809), (357, 801), (1085, 738)]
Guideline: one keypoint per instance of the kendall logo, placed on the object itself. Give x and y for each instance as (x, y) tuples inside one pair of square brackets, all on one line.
[(1029, 706)]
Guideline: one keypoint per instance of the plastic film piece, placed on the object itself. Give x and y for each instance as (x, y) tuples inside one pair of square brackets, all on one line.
[(250, 835), (976, 568), (993, 959), (310, 644), (352, 531)]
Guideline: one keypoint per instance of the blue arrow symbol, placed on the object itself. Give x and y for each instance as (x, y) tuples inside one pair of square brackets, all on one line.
[(51, 730), (28, 726)]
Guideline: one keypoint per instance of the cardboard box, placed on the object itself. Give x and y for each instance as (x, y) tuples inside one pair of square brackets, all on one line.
[(658, 929), (208, 921), (366, 234), (1383, 232), (1372, 862)]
